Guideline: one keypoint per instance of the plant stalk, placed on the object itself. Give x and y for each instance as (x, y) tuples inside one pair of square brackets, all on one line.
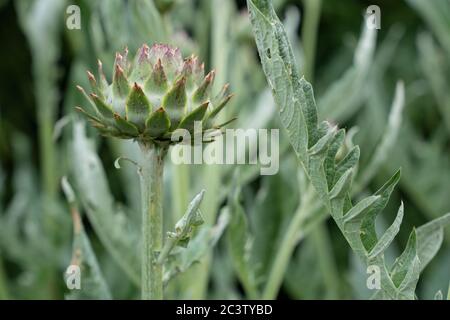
[(286, 247), (151, 175), (326, 262)]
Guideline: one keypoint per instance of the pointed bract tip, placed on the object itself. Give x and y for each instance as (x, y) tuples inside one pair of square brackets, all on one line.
[(181, 81), (100, 71), (224, 92), (119, 69), (210, 76), (144, 53), (192, 59), (80, 88), (90, 75), (227, 99), (137, 87), (204, 105)]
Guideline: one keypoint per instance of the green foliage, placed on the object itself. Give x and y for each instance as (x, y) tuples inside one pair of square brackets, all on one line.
[(314, 143), (183, 228), (240, 247), (94, 285), (184, 258), (117, 235), (262, 236)]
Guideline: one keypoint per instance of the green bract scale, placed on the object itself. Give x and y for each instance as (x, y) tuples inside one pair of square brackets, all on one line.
[(154, 95)]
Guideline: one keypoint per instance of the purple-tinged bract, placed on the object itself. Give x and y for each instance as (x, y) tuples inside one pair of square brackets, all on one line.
[(153, 95)]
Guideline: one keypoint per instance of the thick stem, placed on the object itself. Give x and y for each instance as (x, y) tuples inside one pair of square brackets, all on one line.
[(151, 174)]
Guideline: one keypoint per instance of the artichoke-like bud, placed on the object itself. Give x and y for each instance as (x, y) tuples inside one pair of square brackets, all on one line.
[(154, 95)]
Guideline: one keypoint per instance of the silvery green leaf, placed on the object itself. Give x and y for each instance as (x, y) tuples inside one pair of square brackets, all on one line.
[(182, 259), (403, 264), (282, 73), (368, 232), (429, 239), (437, 15), (240, 245), (389, 235), (183, 228), (110, 224), (356, 211), (192, 217), (92, 282), (432, 66), (349, 161), (316, 148), (342, 186), (347, 93), (389, 138)]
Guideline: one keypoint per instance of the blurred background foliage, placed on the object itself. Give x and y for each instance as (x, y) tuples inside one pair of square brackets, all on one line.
[(354, 76)]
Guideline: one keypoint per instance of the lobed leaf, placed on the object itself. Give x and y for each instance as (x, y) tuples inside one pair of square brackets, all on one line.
[(110, 224), (200, 245), (316, 147)]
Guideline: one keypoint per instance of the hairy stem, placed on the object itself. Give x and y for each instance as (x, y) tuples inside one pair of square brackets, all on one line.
[(151, 175)]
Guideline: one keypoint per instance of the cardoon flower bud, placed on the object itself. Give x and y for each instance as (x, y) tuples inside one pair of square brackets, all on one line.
[(152, 96)]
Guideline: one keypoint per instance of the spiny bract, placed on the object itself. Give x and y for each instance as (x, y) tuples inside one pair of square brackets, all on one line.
[(153, 96)]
